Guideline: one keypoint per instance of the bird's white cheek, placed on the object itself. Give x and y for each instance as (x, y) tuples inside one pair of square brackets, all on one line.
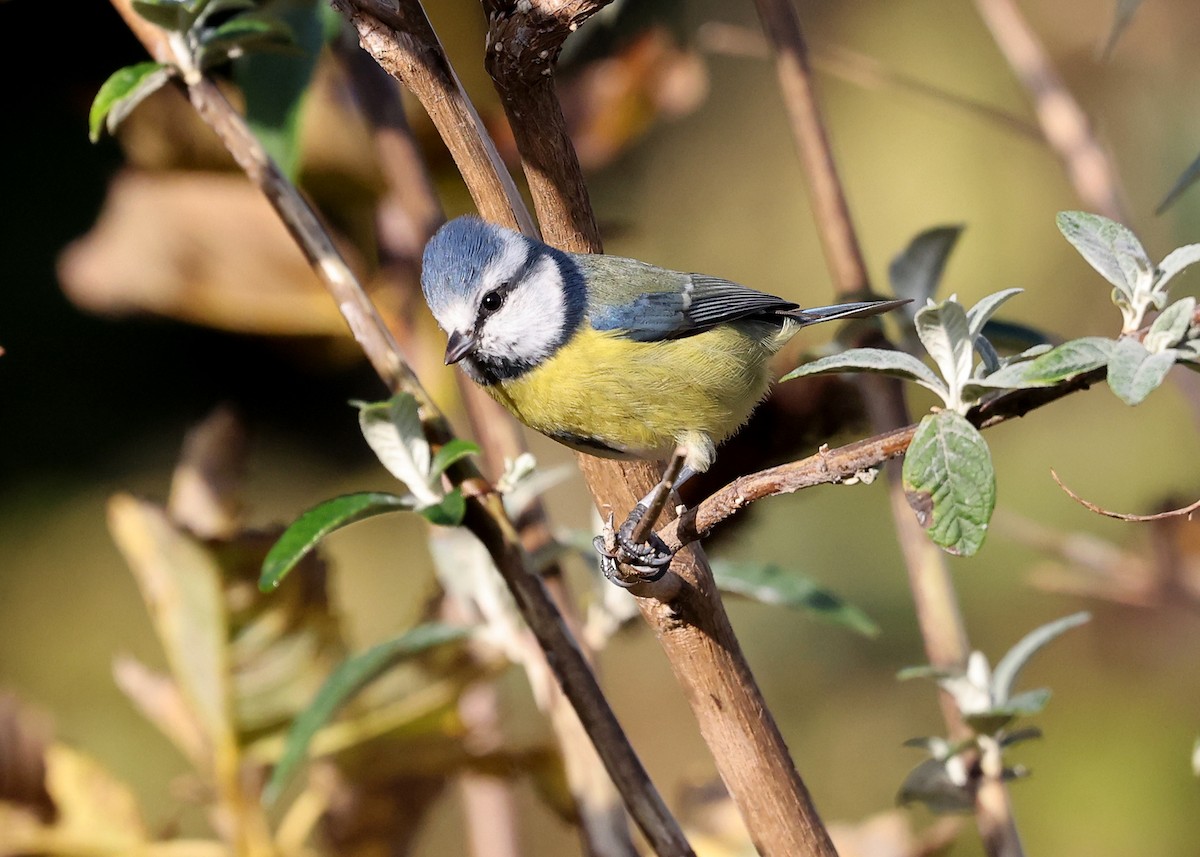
[(530, 325)]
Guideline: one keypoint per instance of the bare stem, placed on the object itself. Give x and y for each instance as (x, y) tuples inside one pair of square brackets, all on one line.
[(934, 598), (409, 214), (485, 514), (524, 40), (1064, 123)]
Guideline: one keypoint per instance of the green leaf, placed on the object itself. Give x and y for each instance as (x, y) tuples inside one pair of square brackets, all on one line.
[(1070, 358), (949, 481), (770, 584), (124, 90), (982, 312), (1133, 372), (1185, 181), (393, 430), (242, 34), (276, 86), (1109, 247), (931, 784), (321, 520), (1013, 337), (454, 450), (1029, 702), (946, 335), (1171, 326), (180, 581), (1176, 261), (1004, 676), (924, 671), (449, 512), (916, 272), (881, 360), (174, 15), (348, 679)]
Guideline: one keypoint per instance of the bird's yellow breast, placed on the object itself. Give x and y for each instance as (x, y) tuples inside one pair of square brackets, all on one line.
[(645, 398)]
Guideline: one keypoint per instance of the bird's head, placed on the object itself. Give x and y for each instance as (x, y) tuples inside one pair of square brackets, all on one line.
[(506, 302)]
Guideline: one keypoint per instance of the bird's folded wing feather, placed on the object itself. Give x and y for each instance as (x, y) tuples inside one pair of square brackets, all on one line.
[(697, 304)]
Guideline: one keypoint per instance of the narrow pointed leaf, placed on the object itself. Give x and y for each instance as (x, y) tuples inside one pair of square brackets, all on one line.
[(1177, 260), (124, 90), (1070, 358), (982, 312), (173, 15), (1029, 702), (449, 512), (916, 272), (883, 361), (1016, 736), (930, 783), (771, 584), (1013, 337), (1121, 18), (1109, 247), (277, 84), (1134, 373), (318, 522), (1171, 326), (346, 681), (944, 332), (181, 584), (949, 481), (240, 35), (1185, 181), (393, 430), (1004, 676), (455, 450)]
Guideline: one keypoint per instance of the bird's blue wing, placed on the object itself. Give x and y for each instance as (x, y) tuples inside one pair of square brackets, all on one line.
[(698, 304)]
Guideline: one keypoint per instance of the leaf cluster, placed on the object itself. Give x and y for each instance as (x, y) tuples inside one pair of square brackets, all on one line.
[(948, 472)]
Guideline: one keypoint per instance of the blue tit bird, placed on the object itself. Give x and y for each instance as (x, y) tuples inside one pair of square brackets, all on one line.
[(610, 356)]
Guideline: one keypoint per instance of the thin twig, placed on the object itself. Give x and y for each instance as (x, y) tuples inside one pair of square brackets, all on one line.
[(485, 514), (692, 626), (835, 466), (858, 68), (938, 612), (602, 819), (1064, 123), (1185, 512)]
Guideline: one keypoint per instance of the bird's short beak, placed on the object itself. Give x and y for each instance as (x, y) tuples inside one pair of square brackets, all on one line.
[(459, 346)]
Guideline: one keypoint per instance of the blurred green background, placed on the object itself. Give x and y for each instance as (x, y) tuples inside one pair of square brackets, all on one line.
[(98, 403)]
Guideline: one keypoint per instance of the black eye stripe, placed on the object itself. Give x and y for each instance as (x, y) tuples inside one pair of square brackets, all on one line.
[(494, 299)]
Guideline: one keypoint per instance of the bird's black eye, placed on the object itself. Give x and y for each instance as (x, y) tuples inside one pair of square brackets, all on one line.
[(491, 301)]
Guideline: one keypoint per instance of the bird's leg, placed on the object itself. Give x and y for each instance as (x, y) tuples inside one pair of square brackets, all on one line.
[(635, 543)]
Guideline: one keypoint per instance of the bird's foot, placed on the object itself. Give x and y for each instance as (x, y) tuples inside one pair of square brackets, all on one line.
[(648, 561)]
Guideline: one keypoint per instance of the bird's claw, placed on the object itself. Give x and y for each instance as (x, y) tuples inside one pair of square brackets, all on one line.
[(647, 560)]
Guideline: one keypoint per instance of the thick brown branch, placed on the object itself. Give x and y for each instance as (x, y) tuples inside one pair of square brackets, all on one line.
[(398, 35), (485, 515), (692, 625)]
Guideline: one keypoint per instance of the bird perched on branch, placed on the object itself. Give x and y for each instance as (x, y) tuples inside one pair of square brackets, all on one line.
[(610, 356)]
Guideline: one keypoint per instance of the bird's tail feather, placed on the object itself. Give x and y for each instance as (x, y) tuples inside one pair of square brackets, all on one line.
[(858, 309)]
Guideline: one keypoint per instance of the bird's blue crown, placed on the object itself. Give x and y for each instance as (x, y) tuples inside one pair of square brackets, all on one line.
[(456, 257)]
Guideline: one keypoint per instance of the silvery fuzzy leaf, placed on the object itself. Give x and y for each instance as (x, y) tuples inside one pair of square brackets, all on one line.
[(1004, 676), (1171, 326), (1110, 248), (393, 430), (1133, 372), (946, 335)]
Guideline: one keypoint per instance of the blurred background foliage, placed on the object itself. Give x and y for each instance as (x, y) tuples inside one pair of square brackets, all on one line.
[(141, 293)]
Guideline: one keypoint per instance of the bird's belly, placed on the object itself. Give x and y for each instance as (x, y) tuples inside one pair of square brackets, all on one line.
[(606, 394)]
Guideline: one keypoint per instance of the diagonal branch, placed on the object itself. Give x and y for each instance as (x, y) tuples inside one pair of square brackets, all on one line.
[(690, 621), (485, 514), (938, 612)]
